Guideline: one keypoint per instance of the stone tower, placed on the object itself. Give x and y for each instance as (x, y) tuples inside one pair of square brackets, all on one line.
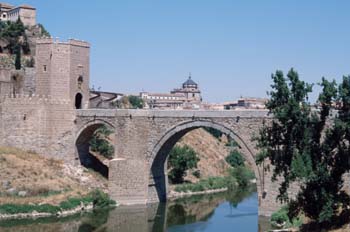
[(62, 70)]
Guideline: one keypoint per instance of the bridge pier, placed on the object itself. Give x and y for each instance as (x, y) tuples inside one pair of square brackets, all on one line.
[(128, 183)]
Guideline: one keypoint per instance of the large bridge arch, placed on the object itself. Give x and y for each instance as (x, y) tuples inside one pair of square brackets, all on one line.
[(82, 145), (158, 183)]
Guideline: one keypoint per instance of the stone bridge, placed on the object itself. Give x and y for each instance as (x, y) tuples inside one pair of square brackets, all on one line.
[(143, 139)]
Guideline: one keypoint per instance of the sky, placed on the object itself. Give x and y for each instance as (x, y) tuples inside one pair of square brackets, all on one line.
[(230, 47)]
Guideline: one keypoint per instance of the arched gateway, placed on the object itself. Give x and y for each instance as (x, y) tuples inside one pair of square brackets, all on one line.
[(137, 174)]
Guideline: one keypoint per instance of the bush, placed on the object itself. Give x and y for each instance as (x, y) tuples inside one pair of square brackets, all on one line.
[(136, 102), (100, 142), (280, 219), (196, 173), (181, 159), (214, 132), (206, 184), (235, 159), (98, 198), (101, 199), (243, 175)]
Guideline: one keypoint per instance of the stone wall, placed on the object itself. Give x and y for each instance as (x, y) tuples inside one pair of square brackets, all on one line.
[(38, 124)]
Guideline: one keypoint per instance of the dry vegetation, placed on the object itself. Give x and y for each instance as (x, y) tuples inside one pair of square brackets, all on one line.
[(211, 151), (26, 177)]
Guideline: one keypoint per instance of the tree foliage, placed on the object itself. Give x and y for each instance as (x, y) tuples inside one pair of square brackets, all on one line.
[(181, 159), (235, 159), (14, 34), (303, 149), (136, 102), (100, 142)]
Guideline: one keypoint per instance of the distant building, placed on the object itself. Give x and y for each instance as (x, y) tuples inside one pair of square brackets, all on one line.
[(246, 103), (26, 13), (187, 97)]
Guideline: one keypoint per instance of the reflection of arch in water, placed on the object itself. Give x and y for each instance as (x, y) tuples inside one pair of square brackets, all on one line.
[(83, 147), (158, 180)]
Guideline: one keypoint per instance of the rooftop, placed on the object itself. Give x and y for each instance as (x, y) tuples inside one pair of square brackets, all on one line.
[(189, 81), (6, 5)]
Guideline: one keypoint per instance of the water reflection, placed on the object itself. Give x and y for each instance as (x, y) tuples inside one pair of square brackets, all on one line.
[(235, 211)]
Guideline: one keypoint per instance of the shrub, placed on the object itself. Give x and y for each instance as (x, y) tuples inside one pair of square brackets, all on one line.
[(196, 173), (235, 159), (242, 174), (181, 159), (100, 142), (101, 199), (280, 219), (214, 132), (98, 198), (136, 102)]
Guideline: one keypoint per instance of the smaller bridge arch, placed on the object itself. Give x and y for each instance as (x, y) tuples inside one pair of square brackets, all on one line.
[(82, 145), (158, 183)]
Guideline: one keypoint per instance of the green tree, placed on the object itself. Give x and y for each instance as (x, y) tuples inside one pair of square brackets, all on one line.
[(302, 149), (13, 32), (181, 159), (136, 102), (100, 142), (44, 32), (18, 57), (235, 159)]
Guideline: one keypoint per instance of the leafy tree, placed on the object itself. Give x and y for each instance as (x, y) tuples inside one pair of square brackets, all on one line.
[(214, 132), (235, 159), (181, 159), (18, 58), (243, 175), (304, 150), (13, 32), (136, 102), (44, 32), (100, 142)]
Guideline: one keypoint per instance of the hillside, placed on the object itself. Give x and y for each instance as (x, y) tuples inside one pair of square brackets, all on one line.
[(27, 177), (210, 150)]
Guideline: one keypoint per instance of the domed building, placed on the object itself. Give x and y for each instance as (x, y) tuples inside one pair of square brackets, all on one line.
[(187, 97), (192, 93)]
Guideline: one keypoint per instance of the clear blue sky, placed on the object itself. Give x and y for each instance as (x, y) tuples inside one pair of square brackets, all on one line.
[(231, 47)]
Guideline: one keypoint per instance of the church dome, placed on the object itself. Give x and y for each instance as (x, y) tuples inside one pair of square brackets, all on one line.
[(189, 83)]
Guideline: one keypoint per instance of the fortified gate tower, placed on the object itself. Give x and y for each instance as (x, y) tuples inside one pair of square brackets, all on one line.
[(62, 70)]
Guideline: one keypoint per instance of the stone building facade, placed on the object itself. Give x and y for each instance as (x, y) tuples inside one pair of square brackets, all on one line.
[(26, 13), (186, 97)]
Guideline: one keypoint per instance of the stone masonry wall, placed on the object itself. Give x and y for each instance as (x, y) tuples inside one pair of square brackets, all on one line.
[(38, 124)]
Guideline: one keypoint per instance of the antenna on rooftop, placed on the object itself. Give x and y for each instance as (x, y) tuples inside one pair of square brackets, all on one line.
[(189, 76)]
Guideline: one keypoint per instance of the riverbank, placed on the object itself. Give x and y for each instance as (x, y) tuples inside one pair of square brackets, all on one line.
[(33, 185), (175, 195), (95, 199)]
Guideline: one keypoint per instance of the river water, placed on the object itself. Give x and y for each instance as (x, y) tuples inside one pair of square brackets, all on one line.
[(234, 211)]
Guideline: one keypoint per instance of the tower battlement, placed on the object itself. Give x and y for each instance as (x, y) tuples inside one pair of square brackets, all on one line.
[(73, 42)]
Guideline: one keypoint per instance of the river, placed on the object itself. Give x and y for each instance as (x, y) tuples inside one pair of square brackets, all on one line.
[(231, 211)]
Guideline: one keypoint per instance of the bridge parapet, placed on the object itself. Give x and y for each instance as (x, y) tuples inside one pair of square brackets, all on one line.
[(174, 113)]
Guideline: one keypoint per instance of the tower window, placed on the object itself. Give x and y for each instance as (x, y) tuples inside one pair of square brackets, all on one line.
[(78, 100), (44, 68), (80, 79)]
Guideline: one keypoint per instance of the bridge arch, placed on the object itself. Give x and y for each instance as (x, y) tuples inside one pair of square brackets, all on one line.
[(82, 145), (158, 183)]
